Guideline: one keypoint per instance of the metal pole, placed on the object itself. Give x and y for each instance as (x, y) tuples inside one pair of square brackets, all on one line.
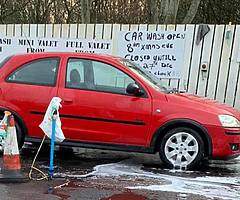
[(51, 170)]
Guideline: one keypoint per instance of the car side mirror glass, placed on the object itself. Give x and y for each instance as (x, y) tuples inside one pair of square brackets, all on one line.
[(134, 89)]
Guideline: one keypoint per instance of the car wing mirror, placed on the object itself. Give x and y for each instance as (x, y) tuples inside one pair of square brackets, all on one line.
[(134, 89)]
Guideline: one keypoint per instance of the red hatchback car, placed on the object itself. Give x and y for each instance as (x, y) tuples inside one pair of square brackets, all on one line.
[(111, 103)]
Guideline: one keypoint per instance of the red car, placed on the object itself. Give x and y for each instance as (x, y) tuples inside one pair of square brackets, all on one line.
[(111, 103)]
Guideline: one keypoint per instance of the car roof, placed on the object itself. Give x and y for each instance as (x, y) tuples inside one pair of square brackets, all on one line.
[(69, 54)]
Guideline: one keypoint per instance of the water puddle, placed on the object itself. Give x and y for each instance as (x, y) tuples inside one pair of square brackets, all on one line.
[(59, 191), (60, 194), (125, 196), (208, 186), (212, 180)]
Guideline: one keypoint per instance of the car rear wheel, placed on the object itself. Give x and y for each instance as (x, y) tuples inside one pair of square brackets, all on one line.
[(181, 148)]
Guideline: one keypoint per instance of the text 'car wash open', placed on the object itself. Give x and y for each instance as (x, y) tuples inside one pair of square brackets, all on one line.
[(161, 53)]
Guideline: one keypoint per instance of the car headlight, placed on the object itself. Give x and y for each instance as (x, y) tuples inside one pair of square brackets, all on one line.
[(229, 121)]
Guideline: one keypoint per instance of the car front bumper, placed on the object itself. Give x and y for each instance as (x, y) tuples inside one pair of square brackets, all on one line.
[(225, 142)]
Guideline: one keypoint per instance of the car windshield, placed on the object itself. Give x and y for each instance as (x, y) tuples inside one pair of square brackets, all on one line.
[(146, 76)]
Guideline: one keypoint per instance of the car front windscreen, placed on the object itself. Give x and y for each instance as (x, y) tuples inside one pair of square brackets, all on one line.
[(145, 75)]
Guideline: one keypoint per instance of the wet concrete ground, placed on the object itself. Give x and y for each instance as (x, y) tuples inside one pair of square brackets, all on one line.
[(104, 175)]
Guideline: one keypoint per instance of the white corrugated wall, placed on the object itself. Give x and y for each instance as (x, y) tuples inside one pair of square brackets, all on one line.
[(219, 49)]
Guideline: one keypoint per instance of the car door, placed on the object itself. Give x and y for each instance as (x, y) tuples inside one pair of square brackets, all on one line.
[(29, 89), (96, 107)]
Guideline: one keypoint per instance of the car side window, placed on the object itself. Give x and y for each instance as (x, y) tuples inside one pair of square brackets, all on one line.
[(94, 75), (37, 72), (75, 74), (110, 79)]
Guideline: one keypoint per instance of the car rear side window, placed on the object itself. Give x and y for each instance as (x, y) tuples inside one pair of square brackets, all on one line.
[(2, 63), (38, 72)]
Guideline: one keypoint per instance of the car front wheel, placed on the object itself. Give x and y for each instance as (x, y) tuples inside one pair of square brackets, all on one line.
[(181, 148)]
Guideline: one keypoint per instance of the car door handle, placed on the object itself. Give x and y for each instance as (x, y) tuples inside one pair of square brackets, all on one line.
[(67, 101)]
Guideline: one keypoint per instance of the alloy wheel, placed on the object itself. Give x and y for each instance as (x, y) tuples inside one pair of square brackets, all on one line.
[(181, 149)]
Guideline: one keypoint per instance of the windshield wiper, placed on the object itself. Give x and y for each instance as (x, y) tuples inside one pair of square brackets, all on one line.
[(173, 91)]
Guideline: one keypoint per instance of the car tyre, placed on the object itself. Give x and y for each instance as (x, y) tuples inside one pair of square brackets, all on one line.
[(181, 148)]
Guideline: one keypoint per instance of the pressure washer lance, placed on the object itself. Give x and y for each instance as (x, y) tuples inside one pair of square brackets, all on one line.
[(51, 169)]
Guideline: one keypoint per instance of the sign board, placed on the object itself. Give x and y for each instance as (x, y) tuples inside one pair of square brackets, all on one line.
[(161, 53), (13, 45)]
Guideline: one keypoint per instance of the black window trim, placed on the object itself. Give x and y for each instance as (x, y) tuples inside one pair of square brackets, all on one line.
[(58, 58), (145, 95)]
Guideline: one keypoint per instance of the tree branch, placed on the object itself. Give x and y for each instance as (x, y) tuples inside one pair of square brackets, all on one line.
[(192, 11)]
